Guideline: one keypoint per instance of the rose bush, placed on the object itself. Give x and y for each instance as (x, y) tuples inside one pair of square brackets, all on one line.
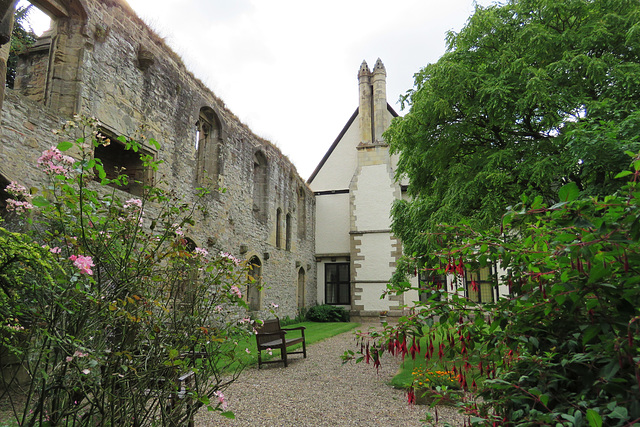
[(108, 302)]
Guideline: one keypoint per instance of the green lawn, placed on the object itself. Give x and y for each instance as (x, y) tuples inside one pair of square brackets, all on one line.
[(314, 332)]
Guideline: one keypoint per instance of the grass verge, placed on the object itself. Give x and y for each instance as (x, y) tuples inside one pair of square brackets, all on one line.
[(314, 332)]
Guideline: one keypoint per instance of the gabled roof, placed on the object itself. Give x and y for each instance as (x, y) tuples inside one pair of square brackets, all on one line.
[(340, 135)]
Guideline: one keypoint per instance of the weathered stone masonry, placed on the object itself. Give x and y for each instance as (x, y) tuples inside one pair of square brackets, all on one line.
[(103, 61)]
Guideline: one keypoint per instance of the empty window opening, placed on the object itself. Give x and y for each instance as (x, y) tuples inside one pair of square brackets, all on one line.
[(287, 230), (46, 67), (208, 148), (301, 287), (278, 228), (302, 214), (260, 185), (117, 161), (253, 290)]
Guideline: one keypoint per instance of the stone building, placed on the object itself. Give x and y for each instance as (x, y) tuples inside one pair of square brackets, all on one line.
[(99, 59), (354, 186)]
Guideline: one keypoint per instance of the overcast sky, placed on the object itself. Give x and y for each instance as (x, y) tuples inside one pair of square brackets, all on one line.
[(288, 68)]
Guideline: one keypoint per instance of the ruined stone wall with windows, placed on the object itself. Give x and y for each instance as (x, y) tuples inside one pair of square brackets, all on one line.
[(100, 60)]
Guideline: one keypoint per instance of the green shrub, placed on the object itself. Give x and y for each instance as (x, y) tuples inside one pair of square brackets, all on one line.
[(327, 313)]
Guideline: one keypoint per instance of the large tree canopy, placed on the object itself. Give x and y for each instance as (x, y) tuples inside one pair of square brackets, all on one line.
[(530, 95)]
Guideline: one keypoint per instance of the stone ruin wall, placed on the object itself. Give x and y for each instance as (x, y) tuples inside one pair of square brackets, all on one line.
[(105, 62)]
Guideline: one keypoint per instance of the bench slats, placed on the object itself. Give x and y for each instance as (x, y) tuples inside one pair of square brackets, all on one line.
[(271, 336)]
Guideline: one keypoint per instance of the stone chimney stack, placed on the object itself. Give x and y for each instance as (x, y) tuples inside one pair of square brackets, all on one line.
[(366, 104), (379, 84)]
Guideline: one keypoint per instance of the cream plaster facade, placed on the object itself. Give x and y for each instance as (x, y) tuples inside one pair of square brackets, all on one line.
[(354, 186)]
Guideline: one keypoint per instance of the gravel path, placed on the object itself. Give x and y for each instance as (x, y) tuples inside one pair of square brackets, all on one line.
[(321, 391)]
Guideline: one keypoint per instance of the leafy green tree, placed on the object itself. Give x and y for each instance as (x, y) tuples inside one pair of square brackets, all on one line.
[(530, 95), (21, 38), (563, 347)]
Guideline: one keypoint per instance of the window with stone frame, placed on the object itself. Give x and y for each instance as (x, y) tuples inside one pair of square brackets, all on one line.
[(430, 284), (208, 148), (287, 230), (50, 72), (301, 287), (279, 228), (302, 214), (253, 290), (337, 283), (260, 179), (117, 160), (186, 285), (479, 285)]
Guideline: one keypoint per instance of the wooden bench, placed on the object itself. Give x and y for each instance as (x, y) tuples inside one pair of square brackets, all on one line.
[(271, 336)]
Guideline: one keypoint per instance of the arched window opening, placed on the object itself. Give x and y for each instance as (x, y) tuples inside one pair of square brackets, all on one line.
[(260, 185), (287, 230), (278, 228), (254, 288), (208, 148), (301, 287), (302, 214), (117, 160)]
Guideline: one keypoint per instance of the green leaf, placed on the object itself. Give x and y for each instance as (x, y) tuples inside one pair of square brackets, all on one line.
[(228, 414), (594, 418), (569, 192), (64, 145), (154, 143), (40, 202), (623, 174)]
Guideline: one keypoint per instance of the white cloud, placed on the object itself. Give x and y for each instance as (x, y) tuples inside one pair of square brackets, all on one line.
[(288, 68)]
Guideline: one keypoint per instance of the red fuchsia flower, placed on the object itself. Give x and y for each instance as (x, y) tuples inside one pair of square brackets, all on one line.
[(460, 268), (367, 355), (391, 346), (413, 349), (82, 263), (411, 396), (403, 347), (376, 359), (474, 286)]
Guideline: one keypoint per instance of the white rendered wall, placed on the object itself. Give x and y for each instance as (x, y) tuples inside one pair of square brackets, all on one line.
[(373, 198), (375, 265), (337, 171), (332, 224)]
